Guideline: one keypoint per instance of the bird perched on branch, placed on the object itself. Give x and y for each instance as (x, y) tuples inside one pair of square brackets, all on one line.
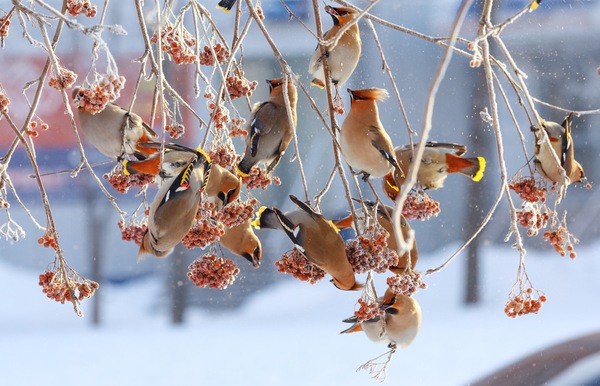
[(242, 241), (174, 208), (222, 188), (315, 237), (439, 160), (384, 218), (364, 142), (104, 130), (343, 56), (559, 143), (270, 129), (399, 325), (226, 5)]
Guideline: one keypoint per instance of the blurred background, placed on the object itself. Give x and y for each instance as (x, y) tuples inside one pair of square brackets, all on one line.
[(556, 46)]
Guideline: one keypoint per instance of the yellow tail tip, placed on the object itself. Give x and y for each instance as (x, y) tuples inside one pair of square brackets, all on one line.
[(479, 175), (199, 150), (256, 222), (317, 83), (127, 173), (240, 172), (534, 5), (334, 226)]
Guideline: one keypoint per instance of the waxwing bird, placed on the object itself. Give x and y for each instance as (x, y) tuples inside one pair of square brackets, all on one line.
[(222, 188), (398, 326), (559, 143), (269, 129), (384, 214), (242, 241), (174, 208), (226, 5), (342, 57), (104, 130), (439, 160), (315, 237), (365, 144)]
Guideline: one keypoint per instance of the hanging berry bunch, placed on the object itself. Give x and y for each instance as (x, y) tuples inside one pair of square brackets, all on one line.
[(122, 182), (369, 251), (420, 206), (406, 283), (105, 89), (258, 177), (178, 43), (212, 271), (296, 264), (78, 7)]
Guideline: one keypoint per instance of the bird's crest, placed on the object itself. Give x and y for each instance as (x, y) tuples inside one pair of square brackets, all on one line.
[(376, 94)]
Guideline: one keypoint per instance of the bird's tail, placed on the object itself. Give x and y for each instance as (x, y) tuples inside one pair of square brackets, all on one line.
[(470, 167), (266, 219), (244, 166), (226, 5)]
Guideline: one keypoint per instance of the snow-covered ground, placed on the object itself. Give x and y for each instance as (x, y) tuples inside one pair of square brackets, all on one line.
[(288, 333)]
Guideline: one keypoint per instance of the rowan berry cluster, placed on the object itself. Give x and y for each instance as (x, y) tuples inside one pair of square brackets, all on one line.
[(219, 115), (4, 102), (369, 251), (259, 12), (420, 206), (259, 178), (97, 95), (178, 43), (238, 86), (65, 79), (221, 52), (528, 188), (132, 231), (205, 230), (213, 271), (61, 288), (407, 283), (48, 241), (122, 182), (533, 216), (525, 303), (368, 310), (338, 104), (237, 128), (175, 130), (4, 24), (77, 7), (562, 241), (223, 155), (296, 264), (237, 213), (33, 125)]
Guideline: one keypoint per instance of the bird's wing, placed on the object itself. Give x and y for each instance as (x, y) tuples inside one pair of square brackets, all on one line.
[(262, 124)]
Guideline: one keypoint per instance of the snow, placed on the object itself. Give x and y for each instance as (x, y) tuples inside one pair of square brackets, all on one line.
[(287, 334)]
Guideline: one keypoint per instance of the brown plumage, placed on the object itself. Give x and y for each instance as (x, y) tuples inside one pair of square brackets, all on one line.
[(242, 241), (439, 160), (559, 143), (365, 144), (398, 327), (269, 130), (315, 237), (343, 57), (174, 208), (104, 131)]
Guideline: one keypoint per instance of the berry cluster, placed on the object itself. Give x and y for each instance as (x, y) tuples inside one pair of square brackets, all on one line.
[(77, 7), (207, 58), (367, 310), (524, 303), (132, 231), (259, 178), (533, 216), (122, 182), (175, 129), (338, 104), (4, 204), (406, 284), (48, 241), (97, 95), (33, 125), (477, 58), (529, 189), (205, 230), (61, 288), (295, 263), (178, 43), (370, 252), (238, 86), (237, 213), (223, 155), (237, 128), (4, 24), (219, 115), (4, 102), (64, 79), (420, 206), (259, 12), (213, 271), (562, 241)]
